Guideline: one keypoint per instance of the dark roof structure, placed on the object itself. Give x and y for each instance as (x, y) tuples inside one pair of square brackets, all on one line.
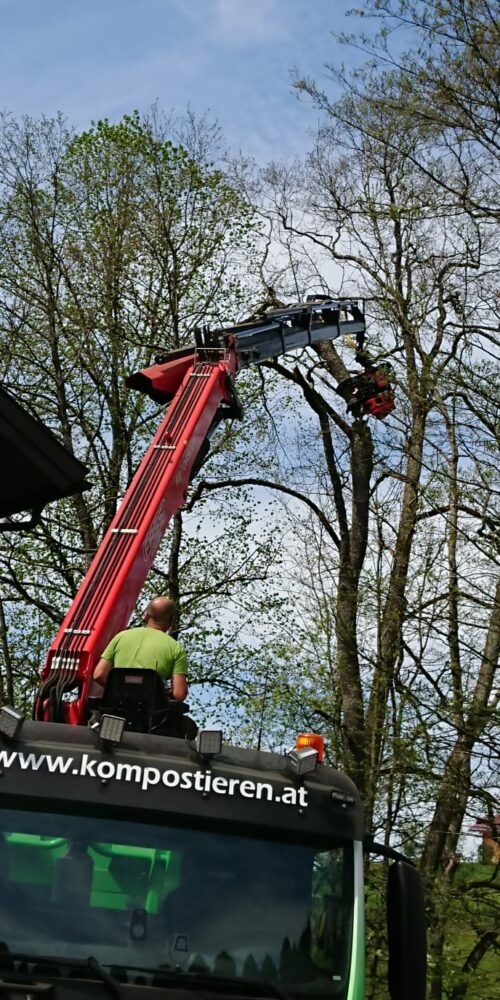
[(35, 468)]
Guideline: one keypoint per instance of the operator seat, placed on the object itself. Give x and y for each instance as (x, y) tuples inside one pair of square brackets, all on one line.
[(140, 697)]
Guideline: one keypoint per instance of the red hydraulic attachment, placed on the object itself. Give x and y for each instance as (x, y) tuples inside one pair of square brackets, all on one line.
[(369, 392), (197, 382)]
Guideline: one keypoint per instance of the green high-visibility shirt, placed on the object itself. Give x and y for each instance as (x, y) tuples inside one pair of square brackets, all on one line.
[(147, 648)]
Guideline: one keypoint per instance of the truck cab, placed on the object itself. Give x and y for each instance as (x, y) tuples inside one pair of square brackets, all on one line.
[(140, 865), (173, 868)]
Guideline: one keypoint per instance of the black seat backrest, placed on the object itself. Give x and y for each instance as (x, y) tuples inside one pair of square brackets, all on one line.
[(139, 696)]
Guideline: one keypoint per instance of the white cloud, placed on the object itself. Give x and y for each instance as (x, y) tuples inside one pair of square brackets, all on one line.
[(237, 23), (230, 58)]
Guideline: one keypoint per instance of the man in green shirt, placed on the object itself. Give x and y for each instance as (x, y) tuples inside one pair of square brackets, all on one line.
[(149, 648)]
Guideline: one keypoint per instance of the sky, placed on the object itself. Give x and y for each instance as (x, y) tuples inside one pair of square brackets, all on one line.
[(230, 59)]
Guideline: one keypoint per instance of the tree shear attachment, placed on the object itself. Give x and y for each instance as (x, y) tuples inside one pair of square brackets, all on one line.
[(368, 392)]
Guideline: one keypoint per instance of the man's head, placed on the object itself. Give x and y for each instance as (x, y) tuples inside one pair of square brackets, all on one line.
[(160, 613)]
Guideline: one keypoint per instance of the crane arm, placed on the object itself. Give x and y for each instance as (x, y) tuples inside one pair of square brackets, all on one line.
[(198, 384), (276, 332)]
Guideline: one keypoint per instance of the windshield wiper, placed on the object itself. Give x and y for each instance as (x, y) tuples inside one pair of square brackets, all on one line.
[(90, 963), (113, 985)]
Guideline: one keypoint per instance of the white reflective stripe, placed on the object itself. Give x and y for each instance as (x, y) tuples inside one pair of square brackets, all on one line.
[(124, 531), (79, 631), (201, 374), (164, 447)]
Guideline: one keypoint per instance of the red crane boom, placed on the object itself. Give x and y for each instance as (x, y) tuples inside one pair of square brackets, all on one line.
[(197, 382)]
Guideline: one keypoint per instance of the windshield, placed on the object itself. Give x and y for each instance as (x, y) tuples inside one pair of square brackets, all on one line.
[(141, 898)]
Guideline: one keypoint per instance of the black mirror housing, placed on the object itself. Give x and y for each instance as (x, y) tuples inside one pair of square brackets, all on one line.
[(406, 932)]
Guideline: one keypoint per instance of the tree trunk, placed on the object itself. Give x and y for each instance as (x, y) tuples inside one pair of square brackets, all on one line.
[(7, 678)]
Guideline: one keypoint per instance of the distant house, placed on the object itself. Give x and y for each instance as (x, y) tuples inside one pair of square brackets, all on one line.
[(489, 828)]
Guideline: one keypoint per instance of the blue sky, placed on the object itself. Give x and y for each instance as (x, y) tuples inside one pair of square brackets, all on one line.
[(231, 58)]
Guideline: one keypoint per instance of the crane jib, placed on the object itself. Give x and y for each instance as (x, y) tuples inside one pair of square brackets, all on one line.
[(266, 336), (256, 346), (197, 384), (279, 331)]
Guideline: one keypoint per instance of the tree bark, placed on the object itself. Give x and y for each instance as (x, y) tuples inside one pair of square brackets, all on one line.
[(7, 678)]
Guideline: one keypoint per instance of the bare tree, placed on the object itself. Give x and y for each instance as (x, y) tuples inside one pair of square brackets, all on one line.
[(408, 511)]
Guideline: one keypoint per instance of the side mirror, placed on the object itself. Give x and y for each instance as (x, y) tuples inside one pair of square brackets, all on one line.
[(406, 932)]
